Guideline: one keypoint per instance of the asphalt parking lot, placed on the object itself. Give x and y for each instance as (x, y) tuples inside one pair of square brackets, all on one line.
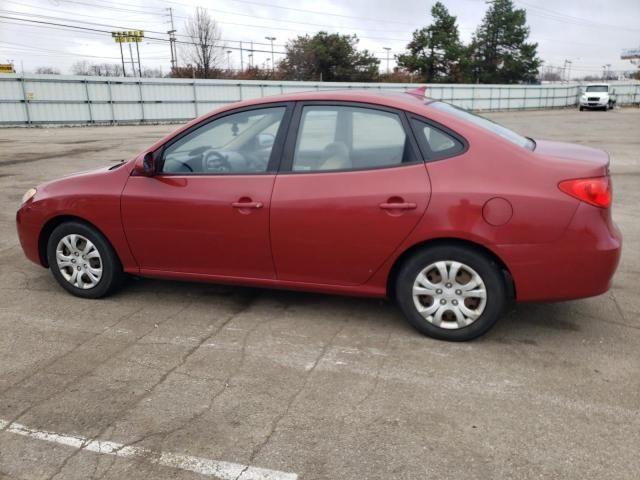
[(184, 381)]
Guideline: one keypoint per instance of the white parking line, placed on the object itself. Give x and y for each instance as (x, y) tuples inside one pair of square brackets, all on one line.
[(203, 466)]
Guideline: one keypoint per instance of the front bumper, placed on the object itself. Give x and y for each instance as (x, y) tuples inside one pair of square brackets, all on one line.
[(580, 264), (594, 104), (28, 226)]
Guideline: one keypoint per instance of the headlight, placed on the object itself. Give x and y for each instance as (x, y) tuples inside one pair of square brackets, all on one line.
[(28, 195)]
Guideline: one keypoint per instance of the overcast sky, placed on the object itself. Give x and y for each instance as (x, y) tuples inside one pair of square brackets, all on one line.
[(590, 33)]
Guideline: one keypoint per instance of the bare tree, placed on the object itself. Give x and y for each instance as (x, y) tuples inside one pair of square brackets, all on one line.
[(205, 48), (47, 71), (83, 67)]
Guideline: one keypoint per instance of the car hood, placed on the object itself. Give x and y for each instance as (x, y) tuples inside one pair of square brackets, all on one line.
[(585, 159)]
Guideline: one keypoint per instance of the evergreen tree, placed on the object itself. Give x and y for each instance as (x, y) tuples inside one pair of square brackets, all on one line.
[(499, 51), (330, 57), (436, 51)]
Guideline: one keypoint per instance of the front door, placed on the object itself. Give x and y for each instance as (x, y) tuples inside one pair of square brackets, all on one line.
[(354, 190), (206, 211)]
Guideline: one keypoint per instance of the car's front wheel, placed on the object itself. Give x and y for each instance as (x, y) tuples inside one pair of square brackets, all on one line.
[(82, 260), (451, 292)]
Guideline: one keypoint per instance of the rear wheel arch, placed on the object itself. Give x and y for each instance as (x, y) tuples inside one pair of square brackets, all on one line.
[(448, 241), (51, 225)]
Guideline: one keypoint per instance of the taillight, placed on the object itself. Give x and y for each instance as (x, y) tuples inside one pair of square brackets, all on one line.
[(594, 191)]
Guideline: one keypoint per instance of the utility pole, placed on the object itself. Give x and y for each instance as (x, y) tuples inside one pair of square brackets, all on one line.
[(251, 56), (387, 49), (172, 41), (124, 71), (608, 71), (271, 39), (133, 64), (229, 60), (241, 58), (139, 66)]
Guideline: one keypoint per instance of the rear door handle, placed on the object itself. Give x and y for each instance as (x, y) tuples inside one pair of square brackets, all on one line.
[(247, 205), (398, 206)]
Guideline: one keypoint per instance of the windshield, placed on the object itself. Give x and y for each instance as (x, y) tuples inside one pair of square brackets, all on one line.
[(485, 123), (598, 88)]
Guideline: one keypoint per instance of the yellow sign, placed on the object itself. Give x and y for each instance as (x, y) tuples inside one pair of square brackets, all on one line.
[(6, 68), (128, 36)]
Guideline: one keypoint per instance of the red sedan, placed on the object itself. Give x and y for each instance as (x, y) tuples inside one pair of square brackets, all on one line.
[(355, 193)]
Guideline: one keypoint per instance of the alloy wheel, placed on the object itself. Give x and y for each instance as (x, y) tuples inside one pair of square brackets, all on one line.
[(79, 261), (449, 294)]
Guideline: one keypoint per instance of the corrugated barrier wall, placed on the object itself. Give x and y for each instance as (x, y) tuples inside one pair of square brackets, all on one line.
[(70, 100)]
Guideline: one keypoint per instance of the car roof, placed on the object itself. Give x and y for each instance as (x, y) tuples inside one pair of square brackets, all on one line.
[(400, 100)]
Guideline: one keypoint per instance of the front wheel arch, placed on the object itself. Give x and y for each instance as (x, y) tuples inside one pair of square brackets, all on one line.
[(397, 265), (51, 225)]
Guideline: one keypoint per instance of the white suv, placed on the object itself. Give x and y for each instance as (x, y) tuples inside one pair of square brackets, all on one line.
[(599, 96)]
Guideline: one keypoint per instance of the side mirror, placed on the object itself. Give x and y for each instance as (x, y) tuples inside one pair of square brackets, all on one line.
[(266, 140), (146, 167)]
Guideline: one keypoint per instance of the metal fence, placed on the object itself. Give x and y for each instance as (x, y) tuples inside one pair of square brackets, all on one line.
[(70, 100)]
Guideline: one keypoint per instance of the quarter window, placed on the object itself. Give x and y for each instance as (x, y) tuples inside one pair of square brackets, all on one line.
[(348, 138), (236, 143), (438, 143)]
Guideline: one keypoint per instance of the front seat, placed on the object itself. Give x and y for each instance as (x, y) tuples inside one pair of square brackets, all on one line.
[(336, 157)]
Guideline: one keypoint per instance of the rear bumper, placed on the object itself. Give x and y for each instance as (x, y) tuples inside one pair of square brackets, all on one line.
[(580, 264)]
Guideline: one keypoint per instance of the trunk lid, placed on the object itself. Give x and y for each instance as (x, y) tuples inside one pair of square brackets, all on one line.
[(575, 160)]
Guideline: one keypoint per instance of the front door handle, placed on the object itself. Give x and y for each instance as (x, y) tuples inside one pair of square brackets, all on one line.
[(247, 205), (398, 206)]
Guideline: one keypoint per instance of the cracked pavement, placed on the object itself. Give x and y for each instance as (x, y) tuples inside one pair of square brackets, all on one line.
[(324, 387)]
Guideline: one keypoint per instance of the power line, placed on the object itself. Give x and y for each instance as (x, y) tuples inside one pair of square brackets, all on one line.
[(295, 22), (563, 17), (58, 11), (304, 10), (100, 31)]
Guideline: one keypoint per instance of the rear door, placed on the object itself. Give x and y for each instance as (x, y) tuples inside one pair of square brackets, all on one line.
[(352, 186)]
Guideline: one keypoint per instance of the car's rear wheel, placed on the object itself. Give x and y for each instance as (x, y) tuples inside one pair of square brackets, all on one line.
[(451, 292), (82, 260)]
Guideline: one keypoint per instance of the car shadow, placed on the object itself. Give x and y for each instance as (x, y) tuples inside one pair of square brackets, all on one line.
[(524, 323)]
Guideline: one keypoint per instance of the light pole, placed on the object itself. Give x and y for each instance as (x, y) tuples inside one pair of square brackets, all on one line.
[(387, 49), (229, 60), (271, 39), (567, 72)]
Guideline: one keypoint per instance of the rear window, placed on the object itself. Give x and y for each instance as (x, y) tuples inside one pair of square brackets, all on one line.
[(485, 123)]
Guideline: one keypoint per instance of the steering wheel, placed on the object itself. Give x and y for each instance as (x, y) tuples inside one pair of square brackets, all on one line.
[(214, 161)]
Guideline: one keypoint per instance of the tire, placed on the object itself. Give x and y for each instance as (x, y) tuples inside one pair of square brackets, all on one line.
[(581, 109), (451, 327), (66, 247)]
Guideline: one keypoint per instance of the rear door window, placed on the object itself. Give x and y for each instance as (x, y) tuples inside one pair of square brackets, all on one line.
[(350, 138)]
